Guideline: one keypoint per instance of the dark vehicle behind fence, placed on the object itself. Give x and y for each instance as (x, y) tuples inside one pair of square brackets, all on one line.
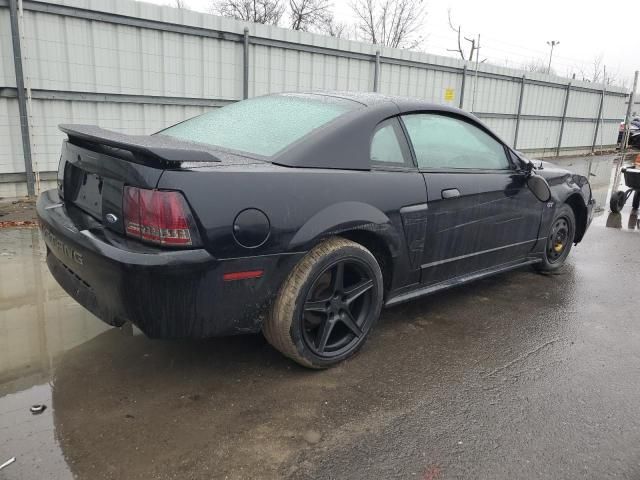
[(634, 133), (298, 215)]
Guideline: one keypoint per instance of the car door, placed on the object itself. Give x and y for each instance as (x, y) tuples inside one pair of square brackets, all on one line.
[(390, 155), (480, 212)]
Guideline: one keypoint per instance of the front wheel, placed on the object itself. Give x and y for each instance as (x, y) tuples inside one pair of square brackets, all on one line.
[(559, 240), (328, 304)]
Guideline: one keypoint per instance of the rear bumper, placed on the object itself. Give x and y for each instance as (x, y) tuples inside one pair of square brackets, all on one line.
[(167, 294)]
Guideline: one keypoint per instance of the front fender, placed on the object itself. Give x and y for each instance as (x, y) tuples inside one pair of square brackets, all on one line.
[(575, 191), (345, 217)]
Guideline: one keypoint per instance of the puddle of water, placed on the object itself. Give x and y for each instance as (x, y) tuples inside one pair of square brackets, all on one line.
[(38, 322), (30, 438), (627, 219)]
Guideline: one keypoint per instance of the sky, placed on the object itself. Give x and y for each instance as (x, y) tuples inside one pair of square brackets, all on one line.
[(513, 33)]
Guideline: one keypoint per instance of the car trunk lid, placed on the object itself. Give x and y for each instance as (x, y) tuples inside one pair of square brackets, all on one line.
[(96, 165), (93, 179)]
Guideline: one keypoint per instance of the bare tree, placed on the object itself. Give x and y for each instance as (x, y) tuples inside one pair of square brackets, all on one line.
[(537, 65), (392, 23), (460, 50), (336, 29), (615, 79), (309, 15), (179, 4), (258, 11), (593, 73)]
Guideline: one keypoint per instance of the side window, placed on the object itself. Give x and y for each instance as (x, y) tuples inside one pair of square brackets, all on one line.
[(441, 141), (386, 148)]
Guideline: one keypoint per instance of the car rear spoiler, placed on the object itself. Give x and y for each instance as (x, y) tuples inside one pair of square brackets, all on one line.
[(159, 146)]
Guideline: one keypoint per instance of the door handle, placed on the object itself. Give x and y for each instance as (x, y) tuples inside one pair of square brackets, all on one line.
[(450, 193)]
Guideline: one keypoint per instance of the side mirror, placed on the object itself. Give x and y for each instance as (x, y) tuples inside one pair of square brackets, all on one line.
[(537, 184), (527, 166), (522, 163), (539, 187)]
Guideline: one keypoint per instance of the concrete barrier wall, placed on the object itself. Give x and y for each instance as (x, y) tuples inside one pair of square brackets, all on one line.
[(137, 67)]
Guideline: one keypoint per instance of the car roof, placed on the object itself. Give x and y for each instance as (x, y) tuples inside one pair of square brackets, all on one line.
[(344, 143), (365, 98), (372, 99)]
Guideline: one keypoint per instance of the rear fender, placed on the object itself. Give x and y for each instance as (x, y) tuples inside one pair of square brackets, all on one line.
[(346, 217)]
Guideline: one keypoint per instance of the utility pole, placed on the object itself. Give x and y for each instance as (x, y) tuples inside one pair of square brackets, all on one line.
[(475, 82), (625, 136), (552, 44)]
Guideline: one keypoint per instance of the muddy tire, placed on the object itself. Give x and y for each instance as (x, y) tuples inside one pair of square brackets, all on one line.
[(559, 240), (327, 305)]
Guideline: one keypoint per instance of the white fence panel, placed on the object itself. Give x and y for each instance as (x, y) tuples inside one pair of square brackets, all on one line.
[(542, 100), (495, 96), (137, 119), (7, 73), (138, 67), (583, 104), (505, 128), (10, 149), (576, 133), (615, 107), (539, 135)]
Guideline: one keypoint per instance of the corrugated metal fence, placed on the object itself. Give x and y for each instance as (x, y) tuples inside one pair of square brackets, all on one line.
[(138, 67)]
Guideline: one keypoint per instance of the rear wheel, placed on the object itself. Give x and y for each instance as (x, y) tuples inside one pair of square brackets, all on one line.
[(328, 304), (559, 240), (617, 201), (636, 200)]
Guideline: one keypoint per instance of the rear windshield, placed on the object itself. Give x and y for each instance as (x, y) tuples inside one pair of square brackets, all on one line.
[(262, 125)]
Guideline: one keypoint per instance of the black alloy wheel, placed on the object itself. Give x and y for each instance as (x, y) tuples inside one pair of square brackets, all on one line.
[(328, 304), (336, 313)]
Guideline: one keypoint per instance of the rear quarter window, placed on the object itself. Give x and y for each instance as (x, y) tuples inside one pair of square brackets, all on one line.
[(263, 125), (388, 148)]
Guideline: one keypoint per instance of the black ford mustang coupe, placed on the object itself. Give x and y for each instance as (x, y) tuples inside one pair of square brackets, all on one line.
[(299, 215)]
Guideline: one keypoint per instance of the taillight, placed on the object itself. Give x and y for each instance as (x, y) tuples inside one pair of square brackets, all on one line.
[(158, 216)]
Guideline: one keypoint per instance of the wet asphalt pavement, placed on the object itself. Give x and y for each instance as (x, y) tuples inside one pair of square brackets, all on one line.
[(519, 376)]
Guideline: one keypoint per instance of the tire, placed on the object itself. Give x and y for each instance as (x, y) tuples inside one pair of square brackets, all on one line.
[(636, 200), (317, 319), (617, 201), (559, 240)]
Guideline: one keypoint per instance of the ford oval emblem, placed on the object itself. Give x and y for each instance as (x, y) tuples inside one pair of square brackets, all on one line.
[(111, 218)]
